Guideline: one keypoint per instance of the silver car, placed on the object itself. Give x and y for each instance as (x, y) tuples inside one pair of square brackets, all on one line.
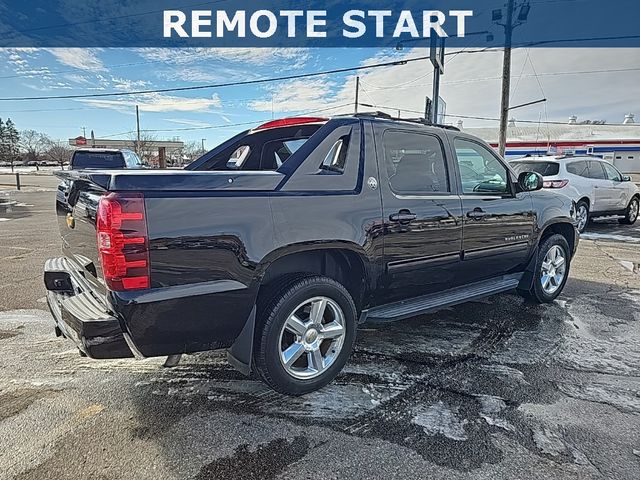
[(597, 187)]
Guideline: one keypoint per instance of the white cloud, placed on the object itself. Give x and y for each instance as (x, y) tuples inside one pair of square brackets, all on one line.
[(126, 84), (157, 102), (80, 58), (190, 123), (296, 96), (293, 57)]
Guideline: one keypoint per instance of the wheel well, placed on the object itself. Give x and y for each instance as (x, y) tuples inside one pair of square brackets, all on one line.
[(565, 229), (342, 265), (586, 200)]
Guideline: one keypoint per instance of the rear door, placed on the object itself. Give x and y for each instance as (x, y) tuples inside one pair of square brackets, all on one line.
[(497, 220), (421, 212)]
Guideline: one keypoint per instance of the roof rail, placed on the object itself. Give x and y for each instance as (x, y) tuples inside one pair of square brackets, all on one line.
[(422, 121)]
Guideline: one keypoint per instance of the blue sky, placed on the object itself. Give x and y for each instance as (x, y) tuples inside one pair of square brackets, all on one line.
[(590, 83)]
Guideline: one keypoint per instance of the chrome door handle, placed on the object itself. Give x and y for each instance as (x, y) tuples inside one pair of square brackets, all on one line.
[(477, 214), (403, 216)]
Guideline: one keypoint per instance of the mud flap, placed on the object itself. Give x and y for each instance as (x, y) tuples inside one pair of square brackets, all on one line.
[(239, 355), (526, 282)]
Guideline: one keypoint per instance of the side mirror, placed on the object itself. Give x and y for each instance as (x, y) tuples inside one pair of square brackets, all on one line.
[(626, 178), (530, 181)]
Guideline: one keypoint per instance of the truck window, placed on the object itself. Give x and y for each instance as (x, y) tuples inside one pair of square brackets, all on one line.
[(97, 160), (480, 170), (415, 163), (337, 156), (258, 150)]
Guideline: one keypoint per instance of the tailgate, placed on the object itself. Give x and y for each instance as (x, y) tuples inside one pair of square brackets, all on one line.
[(76, 208)]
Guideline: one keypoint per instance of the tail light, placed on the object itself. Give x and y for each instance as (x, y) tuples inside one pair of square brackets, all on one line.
[(555, 183), (123, 241)]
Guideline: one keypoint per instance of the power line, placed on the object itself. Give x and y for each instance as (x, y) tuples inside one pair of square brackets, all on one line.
[(473, 117)]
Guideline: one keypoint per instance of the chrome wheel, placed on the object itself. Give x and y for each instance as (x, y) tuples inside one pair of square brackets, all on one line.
[(582, 216), (633, 211), (312, 337), (554, 267)]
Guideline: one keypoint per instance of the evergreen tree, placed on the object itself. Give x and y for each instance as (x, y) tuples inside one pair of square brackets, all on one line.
[(11, 142), (3, 156)]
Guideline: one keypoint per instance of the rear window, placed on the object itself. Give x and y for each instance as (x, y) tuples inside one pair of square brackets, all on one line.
[(546, 169), (261, 150), (97, 160)]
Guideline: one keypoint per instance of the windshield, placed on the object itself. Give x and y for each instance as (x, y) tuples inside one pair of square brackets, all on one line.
[(97, 160), (546, 169)]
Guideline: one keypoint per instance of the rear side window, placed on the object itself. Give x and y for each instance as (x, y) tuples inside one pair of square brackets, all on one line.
[(596, 171), (578, 168), (97, 160), (546, 169), (415, 163)]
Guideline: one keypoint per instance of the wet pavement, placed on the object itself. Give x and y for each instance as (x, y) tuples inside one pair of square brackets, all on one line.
[(497, 388)]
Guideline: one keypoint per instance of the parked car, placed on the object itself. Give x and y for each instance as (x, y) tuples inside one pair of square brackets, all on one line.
[(278, 242), (597, 187), (99, 158)]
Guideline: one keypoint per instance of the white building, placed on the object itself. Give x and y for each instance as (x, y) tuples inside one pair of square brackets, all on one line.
[(618, 144)]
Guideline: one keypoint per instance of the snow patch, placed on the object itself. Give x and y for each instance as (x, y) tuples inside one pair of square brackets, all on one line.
[(438, 419)]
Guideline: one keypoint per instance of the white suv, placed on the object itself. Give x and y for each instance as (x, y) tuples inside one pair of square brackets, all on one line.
[(597, 187)]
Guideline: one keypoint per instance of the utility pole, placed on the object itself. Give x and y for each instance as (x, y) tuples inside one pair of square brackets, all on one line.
[(203, 150), (84, 132), (357, 93), (137, 130), (506, 79)]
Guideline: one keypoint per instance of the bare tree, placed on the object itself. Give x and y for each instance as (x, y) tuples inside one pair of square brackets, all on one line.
[(33, 144), (144, 148), (187, 154), (59, 152)]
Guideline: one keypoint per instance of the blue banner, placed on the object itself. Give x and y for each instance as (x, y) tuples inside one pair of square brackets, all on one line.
[(256, 23)]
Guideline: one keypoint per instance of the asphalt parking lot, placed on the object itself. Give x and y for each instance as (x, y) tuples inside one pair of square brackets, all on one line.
[(490, 389)]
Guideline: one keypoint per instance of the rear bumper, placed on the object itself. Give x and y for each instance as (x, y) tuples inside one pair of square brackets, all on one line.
[(80, 315)]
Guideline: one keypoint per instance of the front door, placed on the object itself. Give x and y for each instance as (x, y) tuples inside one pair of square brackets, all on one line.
[(619, 193), (497, 220), (422, 214)]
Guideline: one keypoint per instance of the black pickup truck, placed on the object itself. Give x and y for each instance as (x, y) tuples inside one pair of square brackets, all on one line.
[(278, 242)]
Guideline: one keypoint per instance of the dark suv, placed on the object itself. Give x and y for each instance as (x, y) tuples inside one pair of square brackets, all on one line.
[(278, 242)]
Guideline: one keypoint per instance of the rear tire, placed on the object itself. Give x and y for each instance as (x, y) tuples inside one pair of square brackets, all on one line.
[(631, 214), (582, 215), (551, 270), (305, 335)]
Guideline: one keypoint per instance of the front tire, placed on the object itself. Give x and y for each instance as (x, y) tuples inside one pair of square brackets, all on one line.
[(582, 215), (305, 335), (631, 214), (551, 270)]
